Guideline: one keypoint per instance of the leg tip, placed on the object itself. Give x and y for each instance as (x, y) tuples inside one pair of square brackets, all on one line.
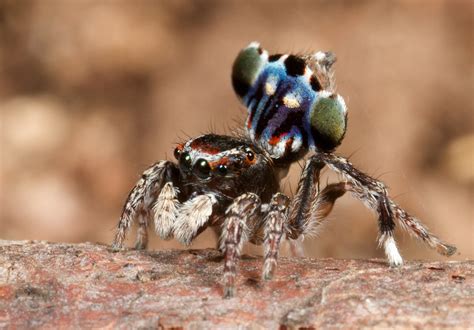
[(163, 232), (229, 292), (116, 247), (140, 246), (267, 276), (447, 250), (396, 263), (268, 273), (394, 258)]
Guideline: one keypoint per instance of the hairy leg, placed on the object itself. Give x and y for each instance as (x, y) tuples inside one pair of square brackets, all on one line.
[(310, 206), (373, 194), (141, 199), (193, 216), (238, 224), (142, 231), (274, 223), (165, 210)]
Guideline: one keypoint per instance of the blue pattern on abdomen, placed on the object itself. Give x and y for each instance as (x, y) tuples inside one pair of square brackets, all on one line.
[(273, 124)]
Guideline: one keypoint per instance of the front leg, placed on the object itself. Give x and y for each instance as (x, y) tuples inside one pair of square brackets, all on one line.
[(193, 217), (141, 200), (238, 225)]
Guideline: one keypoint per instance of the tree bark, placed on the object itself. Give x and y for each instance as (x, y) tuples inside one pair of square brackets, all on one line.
[(88, 286)]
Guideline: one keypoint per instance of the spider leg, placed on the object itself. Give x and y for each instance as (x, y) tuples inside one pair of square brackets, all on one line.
[(296, 248), (274, 222), (193, 216), (237, 228), (311, 206), (140, 201), (373, 194), (142, 231)]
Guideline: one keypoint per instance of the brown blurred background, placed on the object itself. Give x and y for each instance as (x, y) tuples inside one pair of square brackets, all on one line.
[(91, 92)]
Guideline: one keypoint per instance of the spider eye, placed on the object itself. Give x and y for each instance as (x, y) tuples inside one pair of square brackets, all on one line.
[(202, 168), (250, 155), (185, 161), (222, 169), (177, 153)]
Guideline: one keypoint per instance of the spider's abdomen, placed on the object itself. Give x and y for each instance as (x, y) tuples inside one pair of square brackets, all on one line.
[(290, 101)]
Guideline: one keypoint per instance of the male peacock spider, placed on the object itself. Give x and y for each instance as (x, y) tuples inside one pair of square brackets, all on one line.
[(231, 183)]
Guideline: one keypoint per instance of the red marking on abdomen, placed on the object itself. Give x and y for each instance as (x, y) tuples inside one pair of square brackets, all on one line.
[(274, 140)]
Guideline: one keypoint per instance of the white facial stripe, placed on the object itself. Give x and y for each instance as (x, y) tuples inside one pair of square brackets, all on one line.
[(198, 154)]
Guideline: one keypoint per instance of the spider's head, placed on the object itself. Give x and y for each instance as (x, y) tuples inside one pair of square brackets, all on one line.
[(223, 163)]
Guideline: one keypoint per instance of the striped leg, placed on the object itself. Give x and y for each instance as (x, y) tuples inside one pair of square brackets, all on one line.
[(374, 195), (275, 222), (142, 231), (140, 201), (237, 227), (310, 206)]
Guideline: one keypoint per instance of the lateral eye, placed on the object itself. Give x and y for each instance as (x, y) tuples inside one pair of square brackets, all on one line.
[(202, 168), (222, 169), (250, 155), (177, 153)]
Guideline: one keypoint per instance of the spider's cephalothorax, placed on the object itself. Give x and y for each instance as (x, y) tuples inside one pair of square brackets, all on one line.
[(232, 183)]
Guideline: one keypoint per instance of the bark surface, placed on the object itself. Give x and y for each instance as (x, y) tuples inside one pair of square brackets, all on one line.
[(88, 286)]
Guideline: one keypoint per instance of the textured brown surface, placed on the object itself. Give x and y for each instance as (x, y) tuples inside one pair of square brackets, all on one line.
[(87, 285)]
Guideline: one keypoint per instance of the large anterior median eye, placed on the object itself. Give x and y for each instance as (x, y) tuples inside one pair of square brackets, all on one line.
[(202, 168), (246, 67), (185, 161)]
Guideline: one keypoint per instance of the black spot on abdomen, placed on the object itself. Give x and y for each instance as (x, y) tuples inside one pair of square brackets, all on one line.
[(295, 65), (315, 85), (274, 58)]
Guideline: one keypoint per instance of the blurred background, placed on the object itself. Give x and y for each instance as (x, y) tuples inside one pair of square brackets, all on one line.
[(92, 92)]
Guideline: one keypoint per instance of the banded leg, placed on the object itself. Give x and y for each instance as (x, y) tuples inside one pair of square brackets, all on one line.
[(275, 222), (237, 227), (140, 201), (373, 194), (311, 206), (142, 231), (193, 217)]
